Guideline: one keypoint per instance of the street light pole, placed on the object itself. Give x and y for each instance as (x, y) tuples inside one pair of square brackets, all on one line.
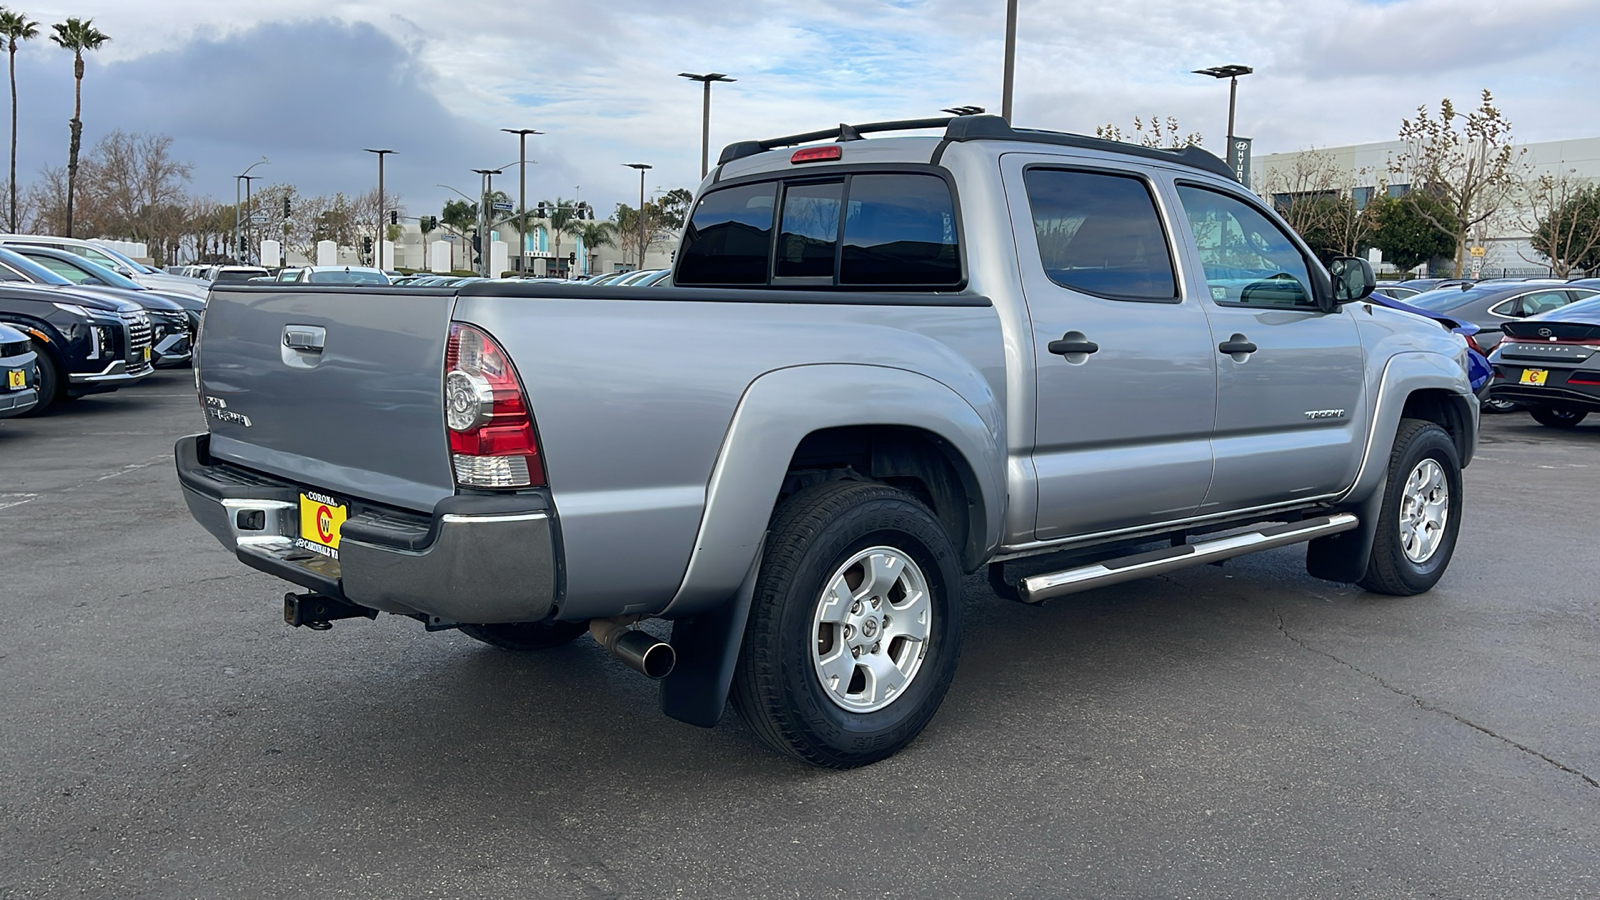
[(249, 223), (522, 192), (236, 178), (483, 218), (1232, 73), (642, 167), (1011, 60), (705, 117), (377, 247)]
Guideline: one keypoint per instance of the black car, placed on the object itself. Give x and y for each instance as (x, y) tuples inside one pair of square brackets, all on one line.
[(19, 375), (1491, 305), (1550, 363), (86, 344), (173, 324)]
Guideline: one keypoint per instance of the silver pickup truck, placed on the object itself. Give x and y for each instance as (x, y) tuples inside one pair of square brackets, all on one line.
[(885, 363)]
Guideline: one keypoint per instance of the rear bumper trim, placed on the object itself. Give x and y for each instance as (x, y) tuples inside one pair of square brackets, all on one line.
[(480, 559)]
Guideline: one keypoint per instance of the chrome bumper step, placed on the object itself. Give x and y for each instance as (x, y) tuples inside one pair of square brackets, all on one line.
[(1038, 588)]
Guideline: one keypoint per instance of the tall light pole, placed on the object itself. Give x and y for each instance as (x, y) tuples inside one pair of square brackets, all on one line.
[(1232, 73), (249, 223), (236, 244), (377, 246), (642, 167), (483, 218), (705, 116), (1011, 60), (522, 191)]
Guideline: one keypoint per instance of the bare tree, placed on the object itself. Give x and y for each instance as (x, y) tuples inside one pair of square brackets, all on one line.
[(1316, 196), (137, 185), (1466, 162), (1561, 213)]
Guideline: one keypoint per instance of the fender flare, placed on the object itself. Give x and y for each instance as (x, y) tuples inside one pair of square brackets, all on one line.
[(776, 412)]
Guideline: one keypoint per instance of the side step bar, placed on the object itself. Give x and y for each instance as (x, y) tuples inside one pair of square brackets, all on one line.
[(1038, 588)]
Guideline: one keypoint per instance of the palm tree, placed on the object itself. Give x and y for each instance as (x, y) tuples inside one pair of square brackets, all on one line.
[(14, 27), (564, 220), (458, 216), (593, 234), (76, 35)]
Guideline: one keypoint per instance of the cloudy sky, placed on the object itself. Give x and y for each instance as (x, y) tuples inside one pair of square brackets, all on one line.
[(308, 83)]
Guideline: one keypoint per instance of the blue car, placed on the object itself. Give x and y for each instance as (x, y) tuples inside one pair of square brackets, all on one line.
[(1478, 368)]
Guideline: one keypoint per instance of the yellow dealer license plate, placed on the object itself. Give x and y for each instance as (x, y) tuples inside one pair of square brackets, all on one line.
[(16, 378), (321, 517), (145, 352), (1535, 376)]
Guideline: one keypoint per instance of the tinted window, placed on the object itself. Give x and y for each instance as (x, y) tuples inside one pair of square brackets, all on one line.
[(899, 230), (809, 232), (353, 277), (1101, 234), (64, 269), (729, 238), (1249, 261)]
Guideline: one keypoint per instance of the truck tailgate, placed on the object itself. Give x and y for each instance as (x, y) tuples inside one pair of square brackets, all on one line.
[(355, 407)]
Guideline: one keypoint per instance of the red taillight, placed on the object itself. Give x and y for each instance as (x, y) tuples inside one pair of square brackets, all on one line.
[(1474, 344), (492, 444), (817, 154)]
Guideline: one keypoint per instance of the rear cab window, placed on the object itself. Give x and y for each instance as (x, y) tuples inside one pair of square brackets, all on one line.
[(853, 230)]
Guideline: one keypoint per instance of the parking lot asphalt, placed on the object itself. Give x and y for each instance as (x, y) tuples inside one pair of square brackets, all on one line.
[(1233, 731)]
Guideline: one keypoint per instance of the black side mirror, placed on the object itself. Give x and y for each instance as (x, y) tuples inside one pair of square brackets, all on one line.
[(1352, 279)]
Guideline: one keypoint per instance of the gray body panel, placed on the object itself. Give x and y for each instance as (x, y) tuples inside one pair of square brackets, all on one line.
[(667, 416)]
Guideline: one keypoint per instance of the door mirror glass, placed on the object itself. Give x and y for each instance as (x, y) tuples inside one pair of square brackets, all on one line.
[(1352, 278)]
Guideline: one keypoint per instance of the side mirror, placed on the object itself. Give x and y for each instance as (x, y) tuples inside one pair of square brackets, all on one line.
[(1352, 279), (124, 271)]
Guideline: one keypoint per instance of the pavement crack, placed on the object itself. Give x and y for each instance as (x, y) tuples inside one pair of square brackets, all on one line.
[(1431, 707)]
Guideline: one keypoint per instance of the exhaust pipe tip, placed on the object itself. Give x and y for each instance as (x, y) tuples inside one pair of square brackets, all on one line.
[(642, 652)]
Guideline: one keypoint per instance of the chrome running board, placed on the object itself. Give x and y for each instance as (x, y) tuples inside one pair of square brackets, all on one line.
[(1038, 588)]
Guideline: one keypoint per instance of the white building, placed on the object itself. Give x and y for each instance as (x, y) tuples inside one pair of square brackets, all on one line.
[(1365, 169)]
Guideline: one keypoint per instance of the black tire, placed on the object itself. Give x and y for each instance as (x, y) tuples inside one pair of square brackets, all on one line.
[(52, 387), (1389, 569), (1558, 416), (777, 687), (524, 636)]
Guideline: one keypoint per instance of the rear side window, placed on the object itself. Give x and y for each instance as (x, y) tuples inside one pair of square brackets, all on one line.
[(809, 232), (900, 230), (729, 238), (1100, 233)]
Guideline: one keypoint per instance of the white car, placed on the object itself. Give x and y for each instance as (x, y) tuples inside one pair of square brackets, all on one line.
[(340, 275), (111, 259)]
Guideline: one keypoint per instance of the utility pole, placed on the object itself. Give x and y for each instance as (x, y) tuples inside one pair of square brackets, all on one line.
[(522, 193), (249, 222), (377, 246), (484, 199), (236, 235), (705, 117), (1011, 60), (642, 167)]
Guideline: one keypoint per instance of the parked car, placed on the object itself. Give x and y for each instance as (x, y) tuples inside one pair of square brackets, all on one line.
[(106, 257), (229, 274), (19, 375), (86, 344), (340, 275), (1479, 371), (1489, 306), (1550, 363), (859, 389), (1396, 291), (172, 328), (610, 278)]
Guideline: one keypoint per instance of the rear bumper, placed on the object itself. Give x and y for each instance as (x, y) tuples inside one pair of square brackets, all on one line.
[(473, 559), (1587, 397)]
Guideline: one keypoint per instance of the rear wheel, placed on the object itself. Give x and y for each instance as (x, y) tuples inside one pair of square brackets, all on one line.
[(1420, 515), (524, 636), (51, 388), (855, 629), (1558, 416)]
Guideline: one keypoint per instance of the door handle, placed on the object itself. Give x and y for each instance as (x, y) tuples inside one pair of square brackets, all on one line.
[(1236, 345), (1078, 345), (307, 338)]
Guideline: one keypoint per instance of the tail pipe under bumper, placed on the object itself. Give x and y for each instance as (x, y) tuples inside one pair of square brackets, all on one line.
[(642, 652)]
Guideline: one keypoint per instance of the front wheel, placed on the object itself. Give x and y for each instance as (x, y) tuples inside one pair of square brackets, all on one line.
[(1420, 514), (1558, 416), (855, 628), (48, 376)]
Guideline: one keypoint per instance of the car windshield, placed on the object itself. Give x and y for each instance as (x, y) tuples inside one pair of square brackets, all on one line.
[(29, 270), (79, 270), (1450, 298), (348, 276)]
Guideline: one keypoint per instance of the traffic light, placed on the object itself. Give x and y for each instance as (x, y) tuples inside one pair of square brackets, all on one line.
[(544, 212), (477, 247), (286, 206), (366, 245), (394, 217)]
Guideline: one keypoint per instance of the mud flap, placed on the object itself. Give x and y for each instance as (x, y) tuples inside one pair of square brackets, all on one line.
[(1343, 557), (708, 651)]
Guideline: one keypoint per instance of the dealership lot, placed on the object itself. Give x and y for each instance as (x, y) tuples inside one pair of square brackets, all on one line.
[(1242, 730)]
